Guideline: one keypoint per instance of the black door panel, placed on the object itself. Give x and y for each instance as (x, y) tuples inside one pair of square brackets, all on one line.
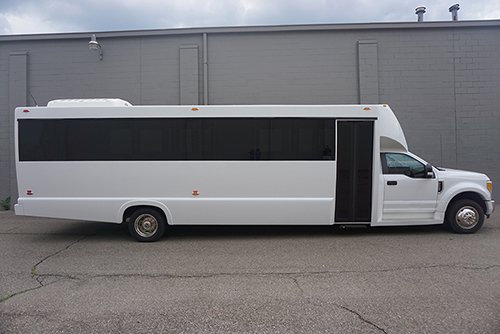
[(353, 201)]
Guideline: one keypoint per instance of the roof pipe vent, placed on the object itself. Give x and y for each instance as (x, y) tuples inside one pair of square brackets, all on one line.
[(420, 13), (454, 11)]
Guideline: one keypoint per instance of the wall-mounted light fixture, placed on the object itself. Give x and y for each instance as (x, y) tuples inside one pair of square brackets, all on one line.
[(94, 45)]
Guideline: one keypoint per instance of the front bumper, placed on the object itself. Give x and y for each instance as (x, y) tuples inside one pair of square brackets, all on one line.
[(490, 207)]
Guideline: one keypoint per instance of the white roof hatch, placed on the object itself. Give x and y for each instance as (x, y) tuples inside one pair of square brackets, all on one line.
[(89, 103)]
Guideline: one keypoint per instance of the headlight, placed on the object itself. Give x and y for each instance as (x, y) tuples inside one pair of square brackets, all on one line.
[(489, 185)]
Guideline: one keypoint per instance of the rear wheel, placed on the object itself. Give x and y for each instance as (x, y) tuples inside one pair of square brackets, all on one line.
[(147, 224), (465, 216)]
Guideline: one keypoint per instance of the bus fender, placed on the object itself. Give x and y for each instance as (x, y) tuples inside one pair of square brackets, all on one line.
[(152, 203)]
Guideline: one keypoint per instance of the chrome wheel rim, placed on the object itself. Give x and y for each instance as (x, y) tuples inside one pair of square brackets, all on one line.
[(146, 225), (467, 217)]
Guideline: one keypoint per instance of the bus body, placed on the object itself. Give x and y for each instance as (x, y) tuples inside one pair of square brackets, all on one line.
[(106, 160)]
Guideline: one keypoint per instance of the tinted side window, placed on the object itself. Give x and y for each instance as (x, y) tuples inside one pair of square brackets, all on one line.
[(40, 140), (302, 139), (86, 139), (177, 139), (237, 139), (226, 139), (399, 163)]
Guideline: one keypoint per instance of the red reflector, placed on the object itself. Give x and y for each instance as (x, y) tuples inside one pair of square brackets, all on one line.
[(26, 110), (29, 192)]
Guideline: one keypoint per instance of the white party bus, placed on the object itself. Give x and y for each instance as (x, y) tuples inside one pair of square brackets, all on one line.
[(153, 166)]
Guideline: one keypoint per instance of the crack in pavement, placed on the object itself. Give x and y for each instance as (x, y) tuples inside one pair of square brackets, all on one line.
[(361, 317), (39, 278), (345, 308), (61, 276), (296, 282), (292, 275), (7, 297), (84, 276), (34, 269)]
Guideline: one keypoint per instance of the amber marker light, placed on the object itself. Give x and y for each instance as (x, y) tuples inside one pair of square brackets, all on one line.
[(366, 108), (195, 109), (489, 185)]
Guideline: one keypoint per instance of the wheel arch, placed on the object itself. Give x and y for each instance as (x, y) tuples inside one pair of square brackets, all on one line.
[(128, 208), (472, 195)]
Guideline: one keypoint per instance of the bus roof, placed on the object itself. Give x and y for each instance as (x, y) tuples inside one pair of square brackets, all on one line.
[(391, 134)]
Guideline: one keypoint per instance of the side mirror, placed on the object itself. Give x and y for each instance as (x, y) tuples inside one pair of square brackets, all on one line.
[(429, 174)]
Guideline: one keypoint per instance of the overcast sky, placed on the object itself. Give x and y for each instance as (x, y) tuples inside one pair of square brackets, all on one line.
[(46, 16)]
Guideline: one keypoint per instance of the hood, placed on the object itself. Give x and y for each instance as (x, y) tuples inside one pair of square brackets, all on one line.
[(458, 173)]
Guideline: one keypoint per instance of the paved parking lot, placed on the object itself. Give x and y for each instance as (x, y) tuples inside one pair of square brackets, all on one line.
[(78, 277)]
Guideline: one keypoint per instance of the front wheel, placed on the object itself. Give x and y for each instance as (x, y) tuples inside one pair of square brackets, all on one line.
[(465, 216), (147, 225)]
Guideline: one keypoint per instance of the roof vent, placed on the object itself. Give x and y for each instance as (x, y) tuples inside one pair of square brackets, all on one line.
[(89, 103), (454, 11), (420, 13)]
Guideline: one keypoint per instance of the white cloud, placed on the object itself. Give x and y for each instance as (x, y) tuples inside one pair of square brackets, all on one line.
[(30, 17), (28, 23), (38, 16)]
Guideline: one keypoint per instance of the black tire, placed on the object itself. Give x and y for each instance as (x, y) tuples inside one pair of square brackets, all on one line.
[(464, 216), (147, 224)]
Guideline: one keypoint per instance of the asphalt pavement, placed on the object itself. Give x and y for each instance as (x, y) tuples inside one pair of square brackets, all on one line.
[(60, 276)]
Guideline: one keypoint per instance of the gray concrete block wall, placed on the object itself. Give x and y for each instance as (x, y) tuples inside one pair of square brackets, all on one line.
[(18, 96), (368, 72), (141, 70), (68, 69), (477, 91), (416, 78), (160, 66), (189, 74), (282, 68), (4, 126), (442, 83)]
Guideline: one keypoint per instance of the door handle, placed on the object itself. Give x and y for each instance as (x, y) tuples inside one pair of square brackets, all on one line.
[(392, 183)]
